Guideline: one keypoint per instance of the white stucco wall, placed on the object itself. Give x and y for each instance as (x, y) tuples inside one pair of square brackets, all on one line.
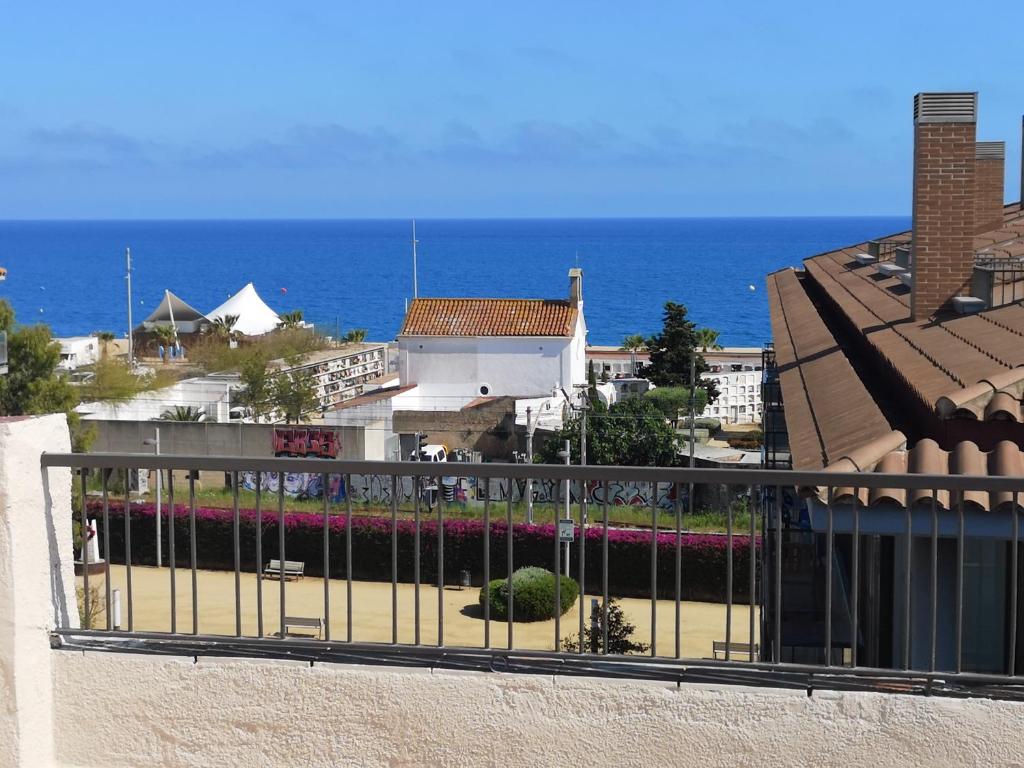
[(36, 584), (170, 712)]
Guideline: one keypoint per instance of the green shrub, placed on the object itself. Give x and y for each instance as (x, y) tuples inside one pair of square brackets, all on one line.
[(533, 595)]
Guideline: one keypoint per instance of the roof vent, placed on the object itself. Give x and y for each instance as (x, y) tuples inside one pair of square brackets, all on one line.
[(946, 108), (990, 150)]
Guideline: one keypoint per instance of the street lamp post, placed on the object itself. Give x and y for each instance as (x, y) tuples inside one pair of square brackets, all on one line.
[(566, 455), (155, 442)]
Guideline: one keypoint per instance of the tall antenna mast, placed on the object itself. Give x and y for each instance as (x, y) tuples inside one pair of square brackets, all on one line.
[(415, 285), (128, 277)]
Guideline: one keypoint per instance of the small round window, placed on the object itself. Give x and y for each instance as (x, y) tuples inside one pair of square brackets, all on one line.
[(484, 389)]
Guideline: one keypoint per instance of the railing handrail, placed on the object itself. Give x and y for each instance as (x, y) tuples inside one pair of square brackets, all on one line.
[(766, 477)]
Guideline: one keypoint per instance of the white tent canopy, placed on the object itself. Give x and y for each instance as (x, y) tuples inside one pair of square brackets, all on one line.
[(174, 311), (254, 316)]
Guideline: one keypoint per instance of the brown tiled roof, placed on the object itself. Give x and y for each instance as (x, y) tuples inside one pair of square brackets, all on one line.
[(489, 317), (1006, 460), (950, 363), (829, 412)]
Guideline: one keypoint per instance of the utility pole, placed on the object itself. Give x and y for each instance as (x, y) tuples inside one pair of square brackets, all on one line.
[(568, 511), (584, 407), (693, 401), (128, 277), (530, 426)]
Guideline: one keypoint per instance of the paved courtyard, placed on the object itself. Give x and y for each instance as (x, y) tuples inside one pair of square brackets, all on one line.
[(702, 623)]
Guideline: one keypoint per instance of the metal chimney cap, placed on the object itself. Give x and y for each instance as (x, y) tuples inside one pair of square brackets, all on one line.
[(948, 107), (990, 150)]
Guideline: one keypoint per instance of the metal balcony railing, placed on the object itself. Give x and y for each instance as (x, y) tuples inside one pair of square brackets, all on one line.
[(998, 281), (884, 249), (791, 592)]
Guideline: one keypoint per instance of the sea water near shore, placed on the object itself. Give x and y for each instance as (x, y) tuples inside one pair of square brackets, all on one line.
[(70, 274)]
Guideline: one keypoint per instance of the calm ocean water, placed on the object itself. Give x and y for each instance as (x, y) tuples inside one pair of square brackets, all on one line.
[(358, 273)]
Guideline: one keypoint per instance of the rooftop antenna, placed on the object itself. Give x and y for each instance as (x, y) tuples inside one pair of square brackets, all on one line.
[(128, 278), (415, 285)]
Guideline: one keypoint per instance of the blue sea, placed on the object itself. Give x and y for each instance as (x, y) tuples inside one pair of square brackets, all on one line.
[(358, 274)]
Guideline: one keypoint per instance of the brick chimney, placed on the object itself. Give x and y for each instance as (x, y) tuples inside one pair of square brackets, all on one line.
[(989, 170), (943, 230), (576, 286)]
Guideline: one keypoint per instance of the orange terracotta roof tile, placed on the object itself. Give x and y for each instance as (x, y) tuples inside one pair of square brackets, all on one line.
[(489, 317)]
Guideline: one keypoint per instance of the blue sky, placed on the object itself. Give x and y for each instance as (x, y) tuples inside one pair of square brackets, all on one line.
[(457, 109)]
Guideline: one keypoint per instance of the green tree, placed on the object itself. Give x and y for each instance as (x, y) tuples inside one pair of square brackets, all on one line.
[(33, 383), (104, 338), (165, 335), (183, 413), (632, 433), (633, 344), (295, 395), (224, 327), (620, 633), (671, 351), (291, 319), (355, 335), (258, 395), (672, 401), (707, 338)]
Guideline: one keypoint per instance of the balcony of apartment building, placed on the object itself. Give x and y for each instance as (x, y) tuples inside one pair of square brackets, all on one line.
[(327, 613)]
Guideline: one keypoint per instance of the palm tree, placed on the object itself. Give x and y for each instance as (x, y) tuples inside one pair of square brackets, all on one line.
[(707, 338), (224, 327), (291, 319), (166, 335), (183, 413), (355, 335), (104, 338), (633, 343)]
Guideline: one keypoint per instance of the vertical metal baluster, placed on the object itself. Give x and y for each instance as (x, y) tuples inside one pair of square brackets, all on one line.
[(829, 543), (906, 588), (192, 549), (728, 583), (259, 554), (777, 650), (281, 552), (440, 562), (348, 558), (654, 569), (170, 549), (106, 547), (558, 570), (416, 555), (582, 558), (394, 559), (84, 536), (934, 582), (238, 555), (960, 546), (128, 547), (855, 578), (604, 568), (753, 570), (679, 571), (327, 555), (487, 559), (509, 554), (1013, 587)]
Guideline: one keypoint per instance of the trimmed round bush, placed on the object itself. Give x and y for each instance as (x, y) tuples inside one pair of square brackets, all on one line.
[(533, 595)]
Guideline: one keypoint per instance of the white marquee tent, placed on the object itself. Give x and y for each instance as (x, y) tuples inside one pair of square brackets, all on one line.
[(254, 316)]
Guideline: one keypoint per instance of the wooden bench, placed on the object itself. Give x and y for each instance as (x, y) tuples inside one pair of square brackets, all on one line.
[(293, 569), (302, 622), (719, 648)]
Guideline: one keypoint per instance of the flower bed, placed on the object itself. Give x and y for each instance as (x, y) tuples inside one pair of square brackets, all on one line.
[(629, 551)]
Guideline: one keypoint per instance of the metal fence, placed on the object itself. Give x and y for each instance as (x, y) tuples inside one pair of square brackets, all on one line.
[(837, 513), (998, 281)]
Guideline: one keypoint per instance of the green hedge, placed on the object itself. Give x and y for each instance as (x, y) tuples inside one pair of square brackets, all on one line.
[(533, 595)]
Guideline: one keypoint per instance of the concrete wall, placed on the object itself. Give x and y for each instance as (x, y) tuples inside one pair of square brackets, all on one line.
[(170, 712), (207, 438)]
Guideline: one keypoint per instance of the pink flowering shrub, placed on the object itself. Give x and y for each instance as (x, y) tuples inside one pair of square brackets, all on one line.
[(703, 556)]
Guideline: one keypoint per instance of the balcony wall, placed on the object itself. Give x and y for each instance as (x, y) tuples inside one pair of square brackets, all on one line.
[(107, 709)]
